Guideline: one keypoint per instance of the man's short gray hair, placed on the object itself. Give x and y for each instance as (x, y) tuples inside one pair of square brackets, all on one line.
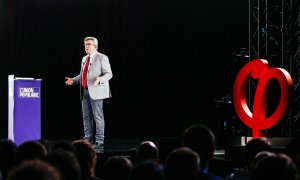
[(95, 41)]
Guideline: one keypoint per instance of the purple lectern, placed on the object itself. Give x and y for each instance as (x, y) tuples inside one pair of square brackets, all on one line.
[(24, 119)]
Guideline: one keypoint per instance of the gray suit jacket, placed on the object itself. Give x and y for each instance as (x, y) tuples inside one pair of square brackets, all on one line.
[(99, 66)]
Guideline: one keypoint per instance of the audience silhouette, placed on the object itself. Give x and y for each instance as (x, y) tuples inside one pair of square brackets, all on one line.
[(77, 160), (251, 149), (117, 167), (63, 145), (66, 162), (87, 158), (7, 156), (182, 163), (277, 166), (201, 139), (34, 170), (147, 150), (148, 170), (30, 150)]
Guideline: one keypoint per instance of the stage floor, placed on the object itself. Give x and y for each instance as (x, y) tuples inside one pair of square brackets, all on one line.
[(127, 145), (122, 145)]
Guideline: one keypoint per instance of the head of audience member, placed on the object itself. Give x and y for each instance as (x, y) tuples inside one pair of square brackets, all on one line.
[(33, 170), (148, 170), (253, 147), (276, 167), (66, 162), (182, 163), (64, 145), (117, 167), (87, 158), (147, 150), (47, 144), (260, 156), (200, 139), (30, 150), (7, 155)]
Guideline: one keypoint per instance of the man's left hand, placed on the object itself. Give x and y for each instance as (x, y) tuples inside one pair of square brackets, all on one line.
[(97, 82)]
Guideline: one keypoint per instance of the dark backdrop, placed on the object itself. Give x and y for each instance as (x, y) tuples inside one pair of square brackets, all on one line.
[(171, 60)]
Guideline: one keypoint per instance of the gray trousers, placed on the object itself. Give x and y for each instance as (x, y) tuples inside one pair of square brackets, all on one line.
[(93, 118)]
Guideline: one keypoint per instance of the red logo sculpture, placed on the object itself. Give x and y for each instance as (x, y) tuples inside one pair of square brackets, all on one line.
[(258, 69)]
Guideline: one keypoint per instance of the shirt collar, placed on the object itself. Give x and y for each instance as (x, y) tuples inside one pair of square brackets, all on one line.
[(92, 55)]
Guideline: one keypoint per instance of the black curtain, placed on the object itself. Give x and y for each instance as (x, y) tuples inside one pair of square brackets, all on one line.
[(171, 60)]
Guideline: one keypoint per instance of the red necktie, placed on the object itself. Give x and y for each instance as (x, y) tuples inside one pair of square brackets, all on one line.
[(86, 67)]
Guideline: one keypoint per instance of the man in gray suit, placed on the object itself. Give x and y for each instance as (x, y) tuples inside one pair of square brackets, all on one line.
[(93, 79)]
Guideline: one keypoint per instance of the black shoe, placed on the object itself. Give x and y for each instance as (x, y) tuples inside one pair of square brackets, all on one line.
[(97, 145)]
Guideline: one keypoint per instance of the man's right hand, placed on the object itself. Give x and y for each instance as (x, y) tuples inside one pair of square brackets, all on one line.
[(69, 81)]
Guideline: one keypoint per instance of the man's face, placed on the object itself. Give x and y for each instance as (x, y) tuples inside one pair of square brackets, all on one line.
[(89, 47)]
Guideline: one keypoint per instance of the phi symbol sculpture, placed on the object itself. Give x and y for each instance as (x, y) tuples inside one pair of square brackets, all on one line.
[(257, 120)]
